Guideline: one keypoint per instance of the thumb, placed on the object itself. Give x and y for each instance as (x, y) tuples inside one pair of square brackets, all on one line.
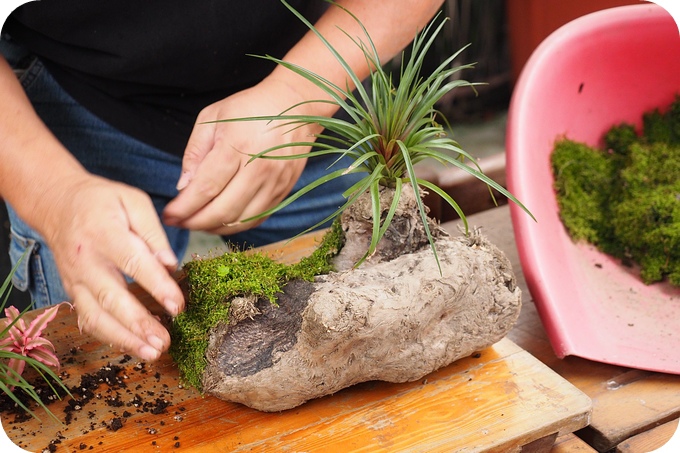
[(201, 141)]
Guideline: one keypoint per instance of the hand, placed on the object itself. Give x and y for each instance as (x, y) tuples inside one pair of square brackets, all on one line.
[(98, 230), (219, 188)]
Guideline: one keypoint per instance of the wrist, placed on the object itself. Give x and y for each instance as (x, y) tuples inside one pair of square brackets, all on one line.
[(317, 102)]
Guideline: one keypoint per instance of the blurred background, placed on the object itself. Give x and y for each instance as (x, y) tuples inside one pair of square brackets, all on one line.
[(502, 35)]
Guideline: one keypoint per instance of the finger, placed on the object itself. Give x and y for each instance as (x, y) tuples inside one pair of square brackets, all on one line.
[(145, 223), (210, 178), (246, 196), (201, 141), (227, 207), (134, 258), (113, 296), (106, 327), (144, 254), (253, 205)]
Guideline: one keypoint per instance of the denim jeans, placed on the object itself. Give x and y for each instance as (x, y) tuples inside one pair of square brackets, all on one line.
[(105, 151)]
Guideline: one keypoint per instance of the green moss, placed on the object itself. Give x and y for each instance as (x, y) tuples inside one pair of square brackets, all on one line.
[(214, 282), (626, 199)]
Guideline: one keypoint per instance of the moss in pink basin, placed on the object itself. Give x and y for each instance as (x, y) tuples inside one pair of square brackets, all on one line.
[(625, 199)]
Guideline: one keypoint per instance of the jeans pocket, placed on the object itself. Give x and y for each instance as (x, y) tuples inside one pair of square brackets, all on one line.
[(29, 273)]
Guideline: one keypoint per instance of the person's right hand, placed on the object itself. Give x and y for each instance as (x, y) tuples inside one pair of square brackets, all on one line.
[(97, 230)]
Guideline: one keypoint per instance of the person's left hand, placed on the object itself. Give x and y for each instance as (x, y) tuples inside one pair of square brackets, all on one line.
[(217, 188)]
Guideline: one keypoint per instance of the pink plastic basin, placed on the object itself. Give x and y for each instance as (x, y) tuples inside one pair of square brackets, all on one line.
[(595, 72)]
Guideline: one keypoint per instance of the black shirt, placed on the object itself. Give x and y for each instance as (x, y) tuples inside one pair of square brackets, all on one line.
[(148, 67)]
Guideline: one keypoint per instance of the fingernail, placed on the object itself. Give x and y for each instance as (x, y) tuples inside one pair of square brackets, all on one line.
[(156, 342), (171, 306), (167, 258), (146, 352), (184, 179), (170, 221)]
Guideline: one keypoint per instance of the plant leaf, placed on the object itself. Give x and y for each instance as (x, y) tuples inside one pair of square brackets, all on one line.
[(17, 364), (40, 322), (419, 201), (44, 355)]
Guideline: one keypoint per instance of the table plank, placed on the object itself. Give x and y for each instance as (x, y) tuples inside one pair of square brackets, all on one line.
[(570, 443), (649, 440), (498, 400)]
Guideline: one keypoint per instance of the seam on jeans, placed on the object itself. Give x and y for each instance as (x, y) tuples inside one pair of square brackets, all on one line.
[(21, 248), (30, 273), (31, 73), (40, 290)]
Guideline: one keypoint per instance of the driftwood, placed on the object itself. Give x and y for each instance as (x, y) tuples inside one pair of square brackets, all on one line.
[(394, 321)]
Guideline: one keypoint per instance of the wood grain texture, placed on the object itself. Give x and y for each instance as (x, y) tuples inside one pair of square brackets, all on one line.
[(649, 440), (570, 443), (501, 399)]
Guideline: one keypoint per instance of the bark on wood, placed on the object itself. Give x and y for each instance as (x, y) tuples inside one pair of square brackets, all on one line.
[(393, 321)]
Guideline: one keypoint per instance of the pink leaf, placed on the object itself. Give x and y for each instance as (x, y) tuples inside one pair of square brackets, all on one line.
[(40, 322), (39, 342), (17, 338), (17, 365), (13, 313), (7, 344), (45, 356)]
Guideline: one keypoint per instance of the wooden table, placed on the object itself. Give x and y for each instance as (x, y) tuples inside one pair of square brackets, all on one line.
[(514, 396)]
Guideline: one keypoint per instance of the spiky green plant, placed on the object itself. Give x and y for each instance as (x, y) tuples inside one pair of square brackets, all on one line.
[(22, 345), (391, 128)]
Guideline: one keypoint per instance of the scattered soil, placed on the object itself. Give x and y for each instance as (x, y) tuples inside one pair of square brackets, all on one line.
[(103, 396)]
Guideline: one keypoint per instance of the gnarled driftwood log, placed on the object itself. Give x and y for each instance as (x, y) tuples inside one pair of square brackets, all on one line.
[(393, 321)]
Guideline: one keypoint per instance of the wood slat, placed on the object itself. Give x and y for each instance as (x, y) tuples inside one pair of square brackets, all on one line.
[(570, 443), (649, 440)]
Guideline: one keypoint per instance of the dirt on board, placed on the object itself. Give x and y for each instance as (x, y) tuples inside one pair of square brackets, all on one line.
[(120, 393)]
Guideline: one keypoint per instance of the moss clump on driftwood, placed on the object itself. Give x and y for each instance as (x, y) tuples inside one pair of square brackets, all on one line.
[(215, 282), (626, 199)]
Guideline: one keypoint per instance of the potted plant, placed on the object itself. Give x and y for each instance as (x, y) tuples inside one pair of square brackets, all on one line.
[(387, 295)]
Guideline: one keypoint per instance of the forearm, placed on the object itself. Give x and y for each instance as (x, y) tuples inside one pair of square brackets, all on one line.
[(34, 164), (391, 24)]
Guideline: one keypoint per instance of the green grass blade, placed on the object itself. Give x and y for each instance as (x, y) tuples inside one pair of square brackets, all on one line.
[(393, 206), (348, 69), (375, 207), (436, 189), (313, 185), (488, 181), (421, 207)]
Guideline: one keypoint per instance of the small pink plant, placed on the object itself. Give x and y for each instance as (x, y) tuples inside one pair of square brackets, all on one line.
[(28, 341), (22, 345)]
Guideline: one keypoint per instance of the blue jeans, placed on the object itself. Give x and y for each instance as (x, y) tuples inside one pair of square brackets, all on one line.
[(105, 151)]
